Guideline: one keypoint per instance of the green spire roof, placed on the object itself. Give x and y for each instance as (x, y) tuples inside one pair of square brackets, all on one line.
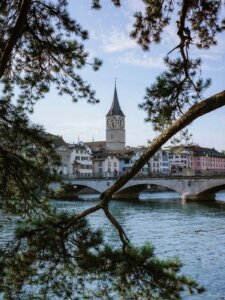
[(115, 109)]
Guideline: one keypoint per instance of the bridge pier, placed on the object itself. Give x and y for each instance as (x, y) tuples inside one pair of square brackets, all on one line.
[(199, 197), (130, 192)]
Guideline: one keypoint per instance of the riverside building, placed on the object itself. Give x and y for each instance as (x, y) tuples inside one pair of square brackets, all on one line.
[(198, 160), (112, 157)]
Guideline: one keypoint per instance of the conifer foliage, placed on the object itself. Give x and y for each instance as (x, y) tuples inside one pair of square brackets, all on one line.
[(44, 46), (75, 263), (58, 256), (181, 85), (25, 160)]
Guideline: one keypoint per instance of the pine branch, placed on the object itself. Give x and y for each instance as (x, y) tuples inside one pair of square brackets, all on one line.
[(123, 237)]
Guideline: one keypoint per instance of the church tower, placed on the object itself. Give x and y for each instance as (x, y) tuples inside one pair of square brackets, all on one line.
[(115, 125)]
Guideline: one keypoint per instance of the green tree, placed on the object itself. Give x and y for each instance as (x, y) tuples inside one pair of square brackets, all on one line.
[(58, 255)]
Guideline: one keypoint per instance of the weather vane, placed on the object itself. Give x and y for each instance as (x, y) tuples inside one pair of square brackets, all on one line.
[(115, 80)]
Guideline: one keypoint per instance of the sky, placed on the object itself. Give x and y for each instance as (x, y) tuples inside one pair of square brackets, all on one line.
[(135, 70)]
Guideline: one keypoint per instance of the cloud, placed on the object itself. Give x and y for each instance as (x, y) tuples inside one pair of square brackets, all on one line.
[(215, 53), (117, 39), (213, 58), (169, 36), (212, 67), (114, 40), (144, 60)]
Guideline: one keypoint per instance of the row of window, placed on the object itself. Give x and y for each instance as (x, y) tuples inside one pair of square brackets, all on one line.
[(81, 152), (84, 174), (84, 167), (209, 159), (82, 158), (177, 156), (109, 164), (114, 164)]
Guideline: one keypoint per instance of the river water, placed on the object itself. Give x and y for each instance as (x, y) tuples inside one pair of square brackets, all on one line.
[(195, 232)]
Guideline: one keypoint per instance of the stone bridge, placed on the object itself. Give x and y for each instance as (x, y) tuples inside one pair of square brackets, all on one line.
[(190, 188)]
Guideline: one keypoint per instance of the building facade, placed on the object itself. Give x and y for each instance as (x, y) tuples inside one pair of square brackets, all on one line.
[(81, 160), (65, 167), (105, 163), (197, 159)]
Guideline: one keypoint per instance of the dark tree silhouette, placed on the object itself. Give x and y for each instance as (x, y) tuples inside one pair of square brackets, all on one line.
[(59, 255)]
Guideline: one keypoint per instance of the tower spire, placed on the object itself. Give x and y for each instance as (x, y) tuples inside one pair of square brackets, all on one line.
[(115, 109)]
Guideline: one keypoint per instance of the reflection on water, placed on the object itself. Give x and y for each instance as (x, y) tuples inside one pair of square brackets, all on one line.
[(169, 196), (193, 231), (89, 197), (220, 197)]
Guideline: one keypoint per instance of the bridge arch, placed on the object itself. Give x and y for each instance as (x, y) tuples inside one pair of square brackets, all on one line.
[(70, 189), (79, 187), (133, 191), (142, 184), (95, 185), (213, 190)]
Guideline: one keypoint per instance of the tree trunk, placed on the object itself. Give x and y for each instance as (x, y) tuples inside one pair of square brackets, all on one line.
[(16, 33)]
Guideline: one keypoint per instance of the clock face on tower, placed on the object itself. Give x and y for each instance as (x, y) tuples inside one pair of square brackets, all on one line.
[(121, 122), (111, 123), (115, 122)]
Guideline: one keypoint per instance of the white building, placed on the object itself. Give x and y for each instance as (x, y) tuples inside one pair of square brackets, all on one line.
[(81, 160), (129, 157), (109, 163), (64, 153), (75, 159), (178, 162), (105, 163)]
